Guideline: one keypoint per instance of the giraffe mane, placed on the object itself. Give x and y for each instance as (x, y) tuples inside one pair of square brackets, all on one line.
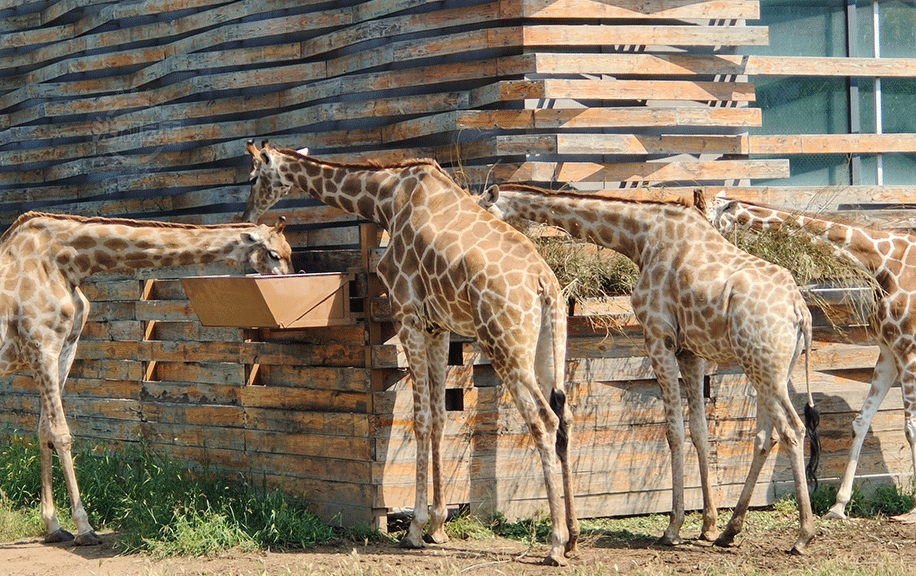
[(21, 220), (409, 163), (669, 199), (373, 165)]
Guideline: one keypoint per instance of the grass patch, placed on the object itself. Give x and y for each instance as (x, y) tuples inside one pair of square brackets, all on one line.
[(160, 506)]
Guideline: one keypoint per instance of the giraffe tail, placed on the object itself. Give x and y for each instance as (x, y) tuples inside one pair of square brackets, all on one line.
[(812, 416)]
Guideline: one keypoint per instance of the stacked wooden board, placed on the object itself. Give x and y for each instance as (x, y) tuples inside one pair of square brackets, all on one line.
[(142, 109)]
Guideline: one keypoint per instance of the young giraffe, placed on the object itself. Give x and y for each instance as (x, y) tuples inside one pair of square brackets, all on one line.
[(451, 267), (890, 258), (43, 260), (697, 298)]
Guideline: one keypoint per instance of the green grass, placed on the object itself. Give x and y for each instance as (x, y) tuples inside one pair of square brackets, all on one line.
[(160, 506)]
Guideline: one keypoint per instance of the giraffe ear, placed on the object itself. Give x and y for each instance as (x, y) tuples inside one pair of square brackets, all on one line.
[(281, 225), (252, 237), (489, 196), (699, 200), (252, 149)]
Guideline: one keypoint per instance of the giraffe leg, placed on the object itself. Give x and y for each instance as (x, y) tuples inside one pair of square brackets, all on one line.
[(438, 360), (791, 432), (550, 370), (666, 371), (882, 378), (693, 369), (54, 431), (543, 424), (414, 342), (53, 530), (763, 443), (908, 384)]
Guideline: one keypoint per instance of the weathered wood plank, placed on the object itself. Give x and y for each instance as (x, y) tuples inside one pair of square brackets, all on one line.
[(832, 144)]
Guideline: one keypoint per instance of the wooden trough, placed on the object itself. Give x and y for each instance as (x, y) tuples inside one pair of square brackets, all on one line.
[(293, 301)]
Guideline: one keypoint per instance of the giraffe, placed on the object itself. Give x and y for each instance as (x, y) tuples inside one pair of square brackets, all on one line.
[(451, 267), (698, 299), (889, 258), (43, 259)]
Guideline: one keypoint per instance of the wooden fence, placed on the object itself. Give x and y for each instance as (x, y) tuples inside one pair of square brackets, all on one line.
[(141, 109)]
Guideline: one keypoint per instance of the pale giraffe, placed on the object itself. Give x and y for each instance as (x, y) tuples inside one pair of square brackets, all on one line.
[(43, 260), (697, 298), (889, 258), (452, 267)]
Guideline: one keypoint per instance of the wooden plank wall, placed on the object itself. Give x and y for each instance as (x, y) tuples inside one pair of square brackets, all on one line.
[(141, 109)]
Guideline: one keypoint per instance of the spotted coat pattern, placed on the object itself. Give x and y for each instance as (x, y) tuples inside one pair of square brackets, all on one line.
[(451, 267), (697, 298), (43, 260), (889, 258)]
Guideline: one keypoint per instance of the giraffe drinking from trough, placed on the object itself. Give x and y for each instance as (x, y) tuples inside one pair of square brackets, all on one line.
[(451, 267), (43, 260), (697, 298), (889, 258)]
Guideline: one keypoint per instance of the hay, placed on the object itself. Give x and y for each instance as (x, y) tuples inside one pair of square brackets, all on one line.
[(813, 263), (584, 270)]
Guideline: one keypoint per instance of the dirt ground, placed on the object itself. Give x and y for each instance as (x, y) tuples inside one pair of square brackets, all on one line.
[(859, 543)]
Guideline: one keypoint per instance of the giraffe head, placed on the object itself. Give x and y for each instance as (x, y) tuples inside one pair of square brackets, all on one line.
[(266, 249), (266, 186), (719, 211)]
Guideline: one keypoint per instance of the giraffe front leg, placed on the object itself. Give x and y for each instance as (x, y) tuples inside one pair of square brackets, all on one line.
[(882, 378), (412, 339), (53, 530), (666, 371), (908, 385), (693, 370), (437, 359), (53, 431)]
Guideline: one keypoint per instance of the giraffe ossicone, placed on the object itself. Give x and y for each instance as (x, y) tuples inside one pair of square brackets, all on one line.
[(890, 259), (43, 260), (698, 299), (451, 267)]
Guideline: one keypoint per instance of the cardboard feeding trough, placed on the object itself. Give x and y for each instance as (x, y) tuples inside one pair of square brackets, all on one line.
[(292, 301)]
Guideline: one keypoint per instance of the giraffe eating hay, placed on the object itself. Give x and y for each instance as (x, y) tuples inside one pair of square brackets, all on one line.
[(697, 298), (43, 260), (451, 267), (888, 257)]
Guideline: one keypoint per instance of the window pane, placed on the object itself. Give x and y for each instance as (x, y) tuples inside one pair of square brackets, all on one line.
[(898, 29), (813, 170), (803, 28)]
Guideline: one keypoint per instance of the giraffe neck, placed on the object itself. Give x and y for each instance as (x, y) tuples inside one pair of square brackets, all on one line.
[(373, 192), (80, 247), (868, 249), (628, 227)]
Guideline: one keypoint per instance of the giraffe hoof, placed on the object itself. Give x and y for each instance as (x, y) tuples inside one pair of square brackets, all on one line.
[(411, 544), (60, 535), (553, 560), (908, 518), (725, 540), (709, 535), (667, 541), (834, 514), (88, 539), (438, 538)]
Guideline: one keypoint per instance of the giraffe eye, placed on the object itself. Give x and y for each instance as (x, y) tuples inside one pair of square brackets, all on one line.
[(273, 255)]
